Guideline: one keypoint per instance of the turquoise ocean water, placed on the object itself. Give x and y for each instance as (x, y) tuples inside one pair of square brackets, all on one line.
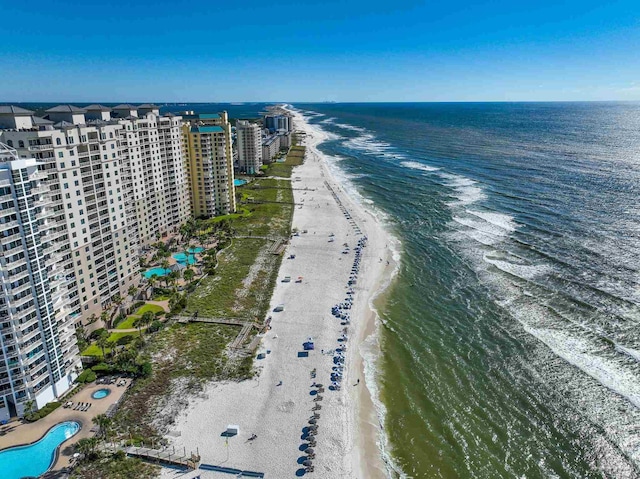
[(510, 339)]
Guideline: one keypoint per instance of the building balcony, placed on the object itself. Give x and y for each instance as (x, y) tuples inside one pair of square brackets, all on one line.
[(40, 147)]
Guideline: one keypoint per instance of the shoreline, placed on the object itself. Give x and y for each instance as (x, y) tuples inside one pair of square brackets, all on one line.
[(366, 416), (276, 404)]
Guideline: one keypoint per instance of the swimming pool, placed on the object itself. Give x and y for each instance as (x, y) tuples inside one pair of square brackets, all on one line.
[(239, 182), (34, 459), (156, 272), (182, 258), (101, 393), (198, 249)]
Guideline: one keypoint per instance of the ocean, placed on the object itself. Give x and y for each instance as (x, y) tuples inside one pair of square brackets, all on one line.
[(510, 343)]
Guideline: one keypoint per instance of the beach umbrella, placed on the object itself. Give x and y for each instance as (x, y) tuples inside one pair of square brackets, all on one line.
[(309, 450), (307, 462), (312, 421)]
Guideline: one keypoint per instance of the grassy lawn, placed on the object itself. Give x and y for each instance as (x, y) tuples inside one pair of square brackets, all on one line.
[(94, 349), (115, 337), (268, 219), (154, 308), (127, 323), (161, 297), (295, 157)]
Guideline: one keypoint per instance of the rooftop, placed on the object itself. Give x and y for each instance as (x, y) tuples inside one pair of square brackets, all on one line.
[(203, 116), (207, 129), (40, 121), (15, 110), (149, 105), (66, 109), (97, 108), (125, 106)]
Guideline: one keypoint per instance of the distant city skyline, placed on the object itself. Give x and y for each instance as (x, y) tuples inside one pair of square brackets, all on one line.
[(320, 51)]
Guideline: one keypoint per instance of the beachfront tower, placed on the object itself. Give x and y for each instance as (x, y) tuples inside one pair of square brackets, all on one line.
[(39, 357), (207, 140), (249, 146)]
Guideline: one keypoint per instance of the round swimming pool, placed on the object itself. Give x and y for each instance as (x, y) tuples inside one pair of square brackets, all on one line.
[(101, 393), (36, 458)]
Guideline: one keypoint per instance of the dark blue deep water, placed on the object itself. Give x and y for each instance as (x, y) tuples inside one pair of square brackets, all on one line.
[(511, 338)]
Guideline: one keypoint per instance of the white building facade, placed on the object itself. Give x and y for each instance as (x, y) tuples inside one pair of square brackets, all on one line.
[(249, 146), (38, 294)]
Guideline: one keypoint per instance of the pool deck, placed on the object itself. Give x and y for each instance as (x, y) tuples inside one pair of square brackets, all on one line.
[(18, 432)]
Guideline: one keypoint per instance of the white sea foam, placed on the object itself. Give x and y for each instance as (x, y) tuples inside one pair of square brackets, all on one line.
[(414, 165), (345, 126), (466, 191), (484, 227), (327, 121), (579, 353), (368, 144), (520, 270), (500, 220), (634, 353)]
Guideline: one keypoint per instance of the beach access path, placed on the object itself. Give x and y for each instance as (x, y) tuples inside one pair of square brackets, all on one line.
[(277, 404)]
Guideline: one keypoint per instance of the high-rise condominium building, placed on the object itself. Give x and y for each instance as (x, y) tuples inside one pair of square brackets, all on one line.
[(39, 298), (119, 181), (153, 150), (278, 123), (249, 146), (210, 167), (86, 179)]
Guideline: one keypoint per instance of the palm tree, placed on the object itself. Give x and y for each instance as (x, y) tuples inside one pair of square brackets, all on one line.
[(104, 422), (132, 291), (29, 407), (188, 275), (148, 318), (138, 324), (103, 342), (87, 446), (104, 317), (165, 266)]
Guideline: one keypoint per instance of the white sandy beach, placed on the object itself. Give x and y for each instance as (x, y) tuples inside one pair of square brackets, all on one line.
[(348, 424)]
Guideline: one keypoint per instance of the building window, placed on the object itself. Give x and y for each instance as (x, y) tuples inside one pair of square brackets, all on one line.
[(21, 144)]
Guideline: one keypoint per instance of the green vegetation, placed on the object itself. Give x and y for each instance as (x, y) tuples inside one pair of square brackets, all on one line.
[(127, 323), (108, 343), (45, 411), (86, 376), (154, 308), (116, 466), (295, 157)]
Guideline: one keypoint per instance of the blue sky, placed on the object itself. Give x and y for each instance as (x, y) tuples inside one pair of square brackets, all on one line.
[(454, 50)]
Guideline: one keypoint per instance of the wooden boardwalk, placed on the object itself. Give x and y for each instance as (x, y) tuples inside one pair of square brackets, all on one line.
[(164, 456), (236, 345), (201, 319)]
